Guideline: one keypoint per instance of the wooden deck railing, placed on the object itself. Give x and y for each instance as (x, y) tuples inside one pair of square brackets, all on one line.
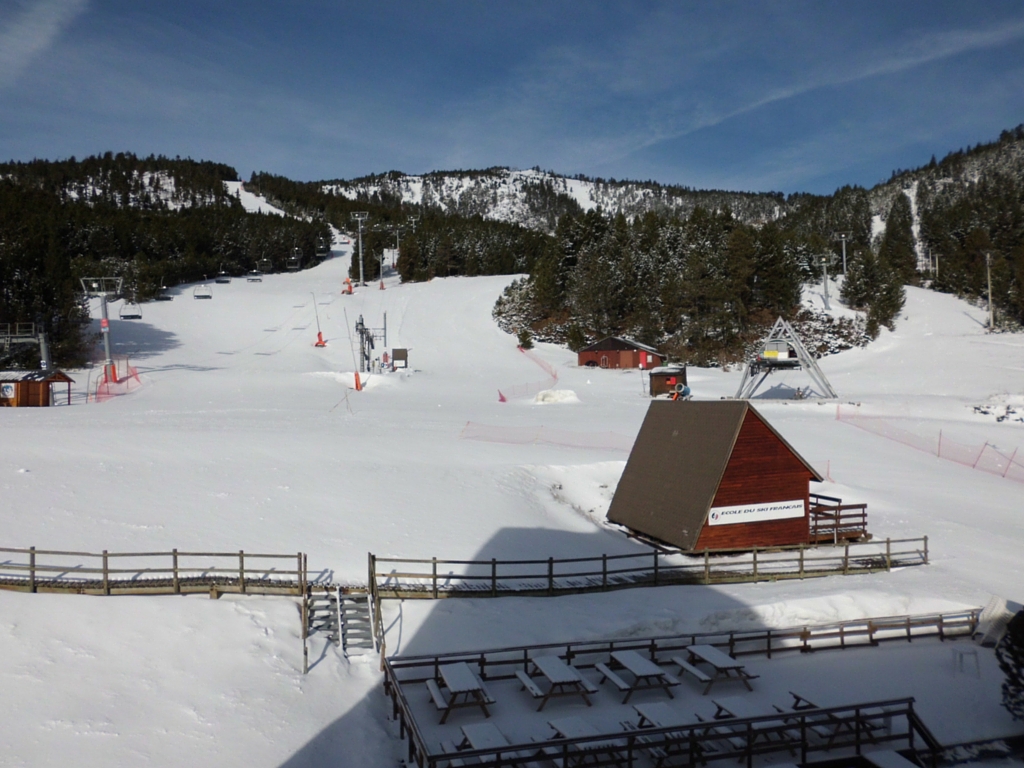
[(833, 521), (434, 578), (174, 572), (401, 674)]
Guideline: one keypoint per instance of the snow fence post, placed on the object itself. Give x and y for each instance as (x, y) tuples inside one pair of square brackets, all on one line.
[(174, 571), (106, 574), (888, 554), (926, 550), (551, 575), (655, 567), (707, 567), (32, 569), (494, 577), (434, 576), (241, 571)]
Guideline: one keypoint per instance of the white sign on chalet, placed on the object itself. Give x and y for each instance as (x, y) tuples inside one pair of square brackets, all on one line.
[(754, 513)]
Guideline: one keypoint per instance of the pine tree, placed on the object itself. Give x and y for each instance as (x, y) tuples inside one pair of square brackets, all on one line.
[(897, 248)]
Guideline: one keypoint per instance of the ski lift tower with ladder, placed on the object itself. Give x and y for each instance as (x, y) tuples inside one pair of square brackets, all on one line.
[(782, 350)]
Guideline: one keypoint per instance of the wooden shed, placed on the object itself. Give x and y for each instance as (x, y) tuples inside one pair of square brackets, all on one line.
[(31, 388), (615, 352), (713, 475), (664, 379)]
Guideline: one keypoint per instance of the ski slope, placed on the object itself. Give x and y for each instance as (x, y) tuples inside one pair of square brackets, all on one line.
[(245, 436)]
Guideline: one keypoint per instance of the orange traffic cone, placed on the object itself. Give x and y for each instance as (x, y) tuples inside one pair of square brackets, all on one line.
[(320, 340), (359, 385), (382, 285)]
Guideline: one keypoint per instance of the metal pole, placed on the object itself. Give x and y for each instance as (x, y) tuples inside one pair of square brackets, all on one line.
[(824, 264), (843, 238), (988, 270), (105, 329), (361, 281)]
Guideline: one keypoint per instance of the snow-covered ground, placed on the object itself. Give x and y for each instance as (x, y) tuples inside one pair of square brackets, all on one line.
[(246, 436)]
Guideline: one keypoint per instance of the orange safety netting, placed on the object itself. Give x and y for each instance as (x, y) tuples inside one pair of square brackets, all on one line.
[(986, 457), (525, 390)]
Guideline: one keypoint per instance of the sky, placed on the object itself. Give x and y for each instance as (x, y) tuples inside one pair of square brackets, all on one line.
[(742, 95)]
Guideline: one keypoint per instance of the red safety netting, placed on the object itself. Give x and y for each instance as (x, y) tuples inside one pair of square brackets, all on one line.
[(985, 457), (124, 378), (532, 388), (610, 441)]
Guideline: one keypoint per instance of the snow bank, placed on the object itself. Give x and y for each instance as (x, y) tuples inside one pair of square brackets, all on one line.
[(551, 396)]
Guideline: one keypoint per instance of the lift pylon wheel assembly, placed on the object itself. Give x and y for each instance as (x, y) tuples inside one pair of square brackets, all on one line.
[(782, 350)]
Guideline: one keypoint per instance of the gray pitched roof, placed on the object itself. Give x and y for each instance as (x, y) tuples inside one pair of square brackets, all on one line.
[(676, 465)]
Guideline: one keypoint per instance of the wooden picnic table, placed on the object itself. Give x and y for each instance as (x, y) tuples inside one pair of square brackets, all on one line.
[(725, 666), (594, 752), (482, 736), (828, 726), (646, 674), (564, 679), (465, 689), (732, 707)]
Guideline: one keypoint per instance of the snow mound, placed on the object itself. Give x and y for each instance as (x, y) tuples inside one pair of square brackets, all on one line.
[(550, 396)]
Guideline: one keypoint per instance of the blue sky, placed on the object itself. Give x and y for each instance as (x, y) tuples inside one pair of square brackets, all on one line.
[(790, 96)]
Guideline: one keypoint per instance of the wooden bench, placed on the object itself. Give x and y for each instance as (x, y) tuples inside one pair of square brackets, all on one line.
[(449, 748), (588, 686), (435, 693), (529, 685), (607, 674), (685, 666)]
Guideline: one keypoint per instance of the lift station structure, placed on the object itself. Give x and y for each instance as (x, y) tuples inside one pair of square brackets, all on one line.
[(780, 351)]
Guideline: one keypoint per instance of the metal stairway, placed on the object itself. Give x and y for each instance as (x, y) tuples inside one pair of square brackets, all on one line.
[(343, 618), (356, 630)]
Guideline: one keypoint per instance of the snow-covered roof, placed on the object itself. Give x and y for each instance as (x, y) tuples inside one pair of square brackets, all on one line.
[(34, 375)]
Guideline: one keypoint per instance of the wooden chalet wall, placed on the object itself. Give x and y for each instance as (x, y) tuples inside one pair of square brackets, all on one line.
[(761, 469), (618, 353)]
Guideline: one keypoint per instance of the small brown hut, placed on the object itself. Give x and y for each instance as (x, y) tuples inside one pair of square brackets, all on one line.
[(614, 352), (664, 379), (31, 388), (713, 475)]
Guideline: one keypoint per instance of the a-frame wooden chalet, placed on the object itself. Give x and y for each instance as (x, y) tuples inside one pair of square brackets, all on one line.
[(713, 475)]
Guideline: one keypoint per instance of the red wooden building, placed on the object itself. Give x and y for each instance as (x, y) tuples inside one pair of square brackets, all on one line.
[(713, 475), (614, 352), (31, 388)]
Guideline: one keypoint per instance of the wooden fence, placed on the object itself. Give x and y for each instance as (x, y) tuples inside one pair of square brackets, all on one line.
[(138, 573), (849, 726), (434, 578)]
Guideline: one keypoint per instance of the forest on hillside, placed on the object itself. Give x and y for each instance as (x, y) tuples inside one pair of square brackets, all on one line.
[(152, 222)]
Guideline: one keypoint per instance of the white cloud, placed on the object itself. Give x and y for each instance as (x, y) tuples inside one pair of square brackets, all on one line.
[(32, 32)]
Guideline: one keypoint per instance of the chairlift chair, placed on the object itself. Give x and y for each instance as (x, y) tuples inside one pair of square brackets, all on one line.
[(255, 276), (222, 277), (295, 260), (130, 310), (164, 295), (202, 292)]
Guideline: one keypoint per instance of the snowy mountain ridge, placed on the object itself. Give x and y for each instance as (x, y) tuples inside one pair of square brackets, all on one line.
[(536, 198)]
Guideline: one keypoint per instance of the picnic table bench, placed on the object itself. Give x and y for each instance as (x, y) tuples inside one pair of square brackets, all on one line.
[(725, 667), (646, 674), (564, 680), (465, 689)]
